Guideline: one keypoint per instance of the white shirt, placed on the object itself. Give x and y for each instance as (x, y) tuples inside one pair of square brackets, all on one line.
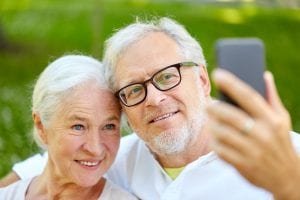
[(207, 178), (32, 166), (17, 191)]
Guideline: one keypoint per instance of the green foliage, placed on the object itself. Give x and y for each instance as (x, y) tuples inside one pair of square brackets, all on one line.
[(37, 32)]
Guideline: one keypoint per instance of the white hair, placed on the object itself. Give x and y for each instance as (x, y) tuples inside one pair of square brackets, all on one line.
[(58, 80), (122, 39)]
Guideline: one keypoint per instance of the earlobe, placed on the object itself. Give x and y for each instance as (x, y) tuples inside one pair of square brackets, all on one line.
[(205, 80), (125, 123), (128, 124), (40, 127)]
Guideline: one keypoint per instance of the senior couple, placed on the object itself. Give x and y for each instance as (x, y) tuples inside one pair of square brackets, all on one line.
[(185, 145)]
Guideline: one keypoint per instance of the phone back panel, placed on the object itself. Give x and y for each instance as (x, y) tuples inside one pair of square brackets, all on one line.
[(245, 58)]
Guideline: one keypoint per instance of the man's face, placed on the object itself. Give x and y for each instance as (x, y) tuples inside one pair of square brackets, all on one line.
[(167, 121)]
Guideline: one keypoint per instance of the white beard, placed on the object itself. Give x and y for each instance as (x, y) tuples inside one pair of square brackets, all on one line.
[(172, 141)]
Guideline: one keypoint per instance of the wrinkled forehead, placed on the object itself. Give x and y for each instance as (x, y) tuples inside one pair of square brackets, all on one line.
[(145, 57), (90, 97)]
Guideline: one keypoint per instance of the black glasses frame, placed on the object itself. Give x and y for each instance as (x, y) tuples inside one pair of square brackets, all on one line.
[(144, 84)]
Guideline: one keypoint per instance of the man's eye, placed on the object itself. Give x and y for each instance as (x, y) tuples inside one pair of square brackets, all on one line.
[(78, 127), (134, 92), (166, 78), (110, 127)]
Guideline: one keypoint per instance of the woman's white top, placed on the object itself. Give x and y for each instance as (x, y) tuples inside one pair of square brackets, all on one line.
[(17, 191)]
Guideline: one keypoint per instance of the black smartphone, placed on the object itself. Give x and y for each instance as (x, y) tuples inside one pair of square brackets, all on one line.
[(244, 57)]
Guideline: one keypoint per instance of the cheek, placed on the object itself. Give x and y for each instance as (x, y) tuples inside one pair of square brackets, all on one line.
[(134, 117), (65, 146), (112, 143), (194, 93)]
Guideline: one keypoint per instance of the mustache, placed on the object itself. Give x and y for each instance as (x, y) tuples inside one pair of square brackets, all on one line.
[(149, 115)]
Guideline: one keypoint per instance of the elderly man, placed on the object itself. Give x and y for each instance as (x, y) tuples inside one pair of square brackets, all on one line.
[(158, 72)]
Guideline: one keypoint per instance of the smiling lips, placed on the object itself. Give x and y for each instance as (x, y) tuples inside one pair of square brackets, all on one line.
[(88, 163), (162, 117)]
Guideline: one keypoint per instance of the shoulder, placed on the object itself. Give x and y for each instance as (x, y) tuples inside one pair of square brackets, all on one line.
[(32, 166), (114, 192), (16, 190), (122, 170), (128, 149), (129, 140), (129, 145)]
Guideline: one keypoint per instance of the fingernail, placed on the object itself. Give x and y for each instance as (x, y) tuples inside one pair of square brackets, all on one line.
[(218, 74), (268, 75)]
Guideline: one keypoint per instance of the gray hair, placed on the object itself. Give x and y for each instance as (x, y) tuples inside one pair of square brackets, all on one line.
[(58, 80), (122, 39)]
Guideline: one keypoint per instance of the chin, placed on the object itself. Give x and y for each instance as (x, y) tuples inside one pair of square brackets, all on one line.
[(84, 180), (171, 142), (88, 182)]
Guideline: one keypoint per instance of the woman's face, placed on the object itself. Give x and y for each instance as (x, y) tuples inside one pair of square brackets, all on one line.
[(83, 136)]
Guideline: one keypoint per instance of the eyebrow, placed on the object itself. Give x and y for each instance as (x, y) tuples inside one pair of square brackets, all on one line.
[(112, 118), (76, 117), (130, 82)]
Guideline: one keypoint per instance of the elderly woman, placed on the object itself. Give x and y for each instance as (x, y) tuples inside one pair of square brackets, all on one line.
[(76, 118)]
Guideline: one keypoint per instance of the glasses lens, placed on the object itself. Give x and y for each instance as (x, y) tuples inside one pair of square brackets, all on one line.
[(167, 78), (132, 94)]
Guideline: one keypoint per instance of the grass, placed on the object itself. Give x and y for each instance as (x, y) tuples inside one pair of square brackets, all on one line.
[(39, 31)]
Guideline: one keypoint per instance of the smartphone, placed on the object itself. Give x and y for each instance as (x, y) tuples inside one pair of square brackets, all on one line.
[(244, 57)]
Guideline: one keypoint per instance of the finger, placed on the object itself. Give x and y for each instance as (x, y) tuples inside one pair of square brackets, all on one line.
[(254, 130), (227, 136), (244, 95), (232, 116), (231, 155), (228, 154), (282, 117), (272, 94)]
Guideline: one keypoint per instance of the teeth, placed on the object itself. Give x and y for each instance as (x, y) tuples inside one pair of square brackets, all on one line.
[(89, 164), (163, 117)]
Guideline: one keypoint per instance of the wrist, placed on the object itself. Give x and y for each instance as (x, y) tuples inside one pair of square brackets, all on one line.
[(290, 189)]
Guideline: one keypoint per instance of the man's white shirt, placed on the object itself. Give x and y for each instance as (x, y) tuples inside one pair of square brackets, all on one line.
[(208, 177)]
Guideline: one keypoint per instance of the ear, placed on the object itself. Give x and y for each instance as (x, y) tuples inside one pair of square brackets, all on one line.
[(125, 121), (205, 80), (128, 124), (40, 127)]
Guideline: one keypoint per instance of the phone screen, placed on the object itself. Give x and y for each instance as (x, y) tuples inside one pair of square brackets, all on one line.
[(245, 58)]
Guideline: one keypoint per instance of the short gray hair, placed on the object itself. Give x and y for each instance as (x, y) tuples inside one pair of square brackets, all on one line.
[(122, 39), (58, 80)]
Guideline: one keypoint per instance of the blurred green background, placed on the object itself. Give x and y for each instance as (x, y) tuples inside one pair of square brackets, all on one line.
[(34, 32)]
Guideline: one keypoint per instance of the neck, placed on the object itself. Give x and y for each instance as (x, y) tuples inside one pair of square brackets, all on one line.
[(50, 186), (198, 147)]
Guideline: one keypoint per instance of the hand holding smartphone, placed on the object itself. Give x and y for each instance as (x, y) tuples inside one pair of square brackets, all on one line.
[(245, 58)]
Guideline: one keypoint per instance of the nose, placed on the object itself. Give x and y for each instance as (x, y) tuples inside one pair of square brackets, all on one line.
[(154, 96), (93, 144)]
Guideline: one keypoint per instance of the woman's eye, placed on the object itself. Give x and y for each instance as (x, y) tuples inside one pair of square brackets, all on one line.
[(110, 127), (78, 127)]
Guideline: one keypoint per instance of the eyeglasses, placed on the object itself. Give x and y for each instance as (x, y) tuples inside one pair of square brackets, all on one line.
[(165, 79)]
